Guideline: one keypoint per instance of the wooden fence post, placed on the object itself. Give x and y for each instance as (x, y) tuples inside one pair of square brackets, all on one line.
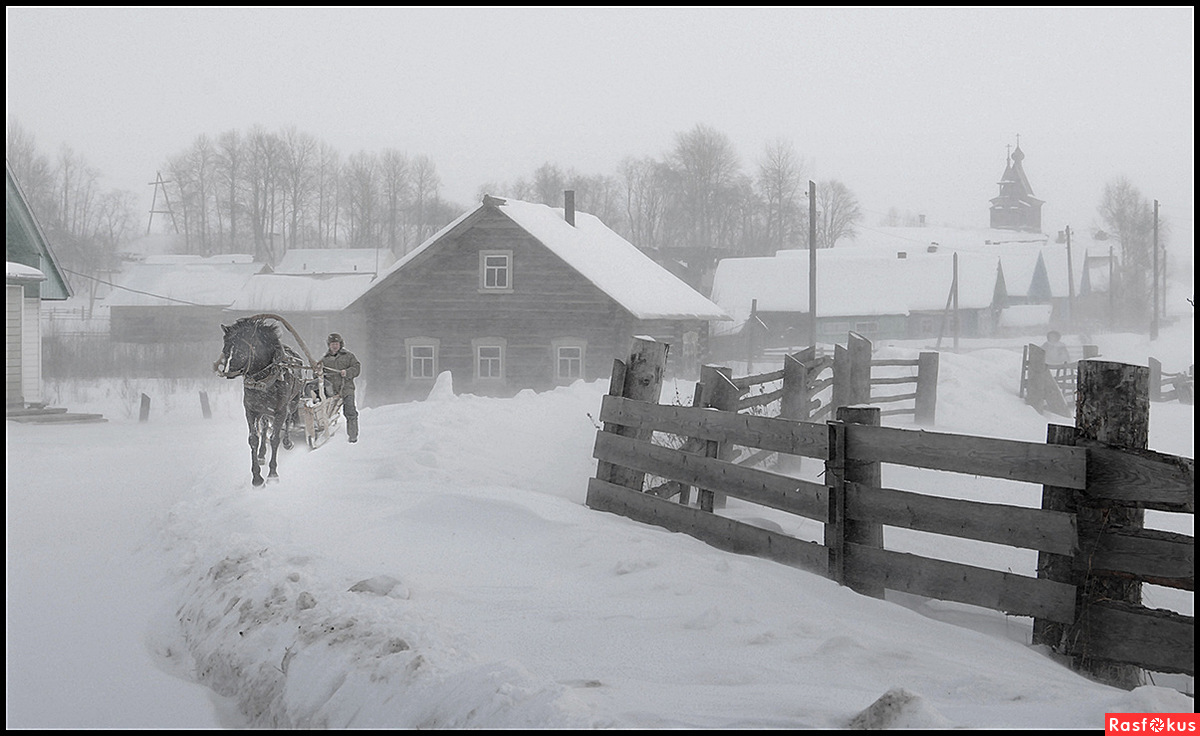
[(144, 413), (794, 403), (841, 468), (640, 379), (204, 410), (1112, 407), (1051, 566), (722, 394), (925, 411), (1035, 366), (841, 377), (1155, 379), (859, 350)]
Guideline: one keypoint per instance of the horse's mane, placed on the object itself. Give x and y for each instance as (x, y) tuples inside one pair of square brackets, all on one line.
[(267, 331)]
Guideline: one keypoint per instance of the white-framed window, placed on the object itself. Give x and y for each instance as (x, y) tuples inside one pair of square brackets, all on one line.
[(569, 354), (495, 271), (489, 358), (422, 355)]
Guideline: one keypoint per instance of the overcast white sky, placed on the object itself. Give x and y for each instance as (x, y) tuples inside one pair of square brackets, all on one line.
[(911, 108)]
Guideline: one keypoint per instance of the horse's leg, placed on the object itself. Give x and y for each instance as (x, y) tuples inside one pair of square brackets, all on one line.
[(275, 430), (262, 442), (252, 421)]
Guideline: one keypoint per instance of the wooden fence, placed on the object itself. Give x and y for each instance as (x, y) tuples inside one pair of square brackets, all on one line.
[(1093, 553), (1166, 386), (811, 387)]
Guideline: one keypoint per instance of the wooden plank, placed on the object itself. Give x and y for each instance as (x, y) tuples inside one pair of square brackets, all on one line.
[(911, 362), (718, 531), (1158, 640), (952, 581), (886, 381), (1150, 479), (1057, 465), (893, 398), (896, 412), (1148, 555), (764, 433), (1015, 526), (792, 495), (745, 382), (750, 402)]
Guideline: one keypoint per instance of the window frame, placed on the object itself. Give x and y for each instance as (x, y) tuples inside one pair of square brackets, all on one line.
[(412, 343), (485, 269), (556, 347), (479, 344)]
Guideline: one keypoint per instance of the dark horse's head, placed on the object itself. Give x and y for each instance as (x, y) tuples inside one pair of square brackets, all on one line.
[(250, 346)]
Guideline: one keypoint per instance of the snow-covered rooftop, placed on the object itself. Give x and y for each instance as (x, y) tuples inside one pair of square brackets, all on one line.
[(189, 282), (852, 282), (335, 261), (644, 288), (22, 273), (276, 292)]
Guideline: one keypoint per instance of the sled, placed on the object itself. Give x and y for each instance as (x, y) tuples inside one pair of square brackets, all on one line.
[(319, 414)]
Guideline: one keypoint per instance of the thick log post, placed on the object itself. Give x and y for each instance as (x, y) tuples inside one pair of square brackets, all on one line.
[(925, 411), (1112, 407), (842, 468), (640, 379), (144, 412)]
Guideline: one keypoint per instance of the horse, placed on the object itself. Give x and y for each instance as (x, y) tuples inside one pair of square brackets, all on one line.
[(272, 383)]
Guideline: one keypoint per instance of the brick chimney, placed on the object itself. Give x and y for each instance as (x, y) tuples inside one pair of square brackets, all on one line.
[(569, 206)]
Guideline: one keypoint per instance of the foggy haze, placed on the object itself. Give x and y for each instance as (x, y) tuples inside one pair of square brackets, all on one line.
[(912, 109)]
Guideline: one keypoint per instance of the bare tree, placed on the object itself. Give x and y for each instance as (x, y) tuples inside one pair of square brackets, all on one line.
[(264, 173), (397, 193), (838, 213), (645, 200), (300, 151), (360, 182), (781, 178), (328, 177), (705, 166), (230, 154), (425, 184), (1130, 216)]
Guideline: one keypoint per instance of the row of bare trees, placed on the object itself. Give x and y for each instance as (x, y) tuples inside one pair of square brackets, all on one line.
[(271, 192), (699, 199), (86, 223)]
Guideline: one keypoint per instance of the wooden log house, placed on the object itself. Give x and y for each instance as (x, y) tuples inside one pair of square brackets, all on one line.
[(514, 295)]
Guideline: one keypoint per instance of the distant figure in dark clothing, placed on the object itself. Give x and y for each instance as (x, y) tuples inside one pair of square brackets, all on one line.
[(341, 367), (1056, 352)]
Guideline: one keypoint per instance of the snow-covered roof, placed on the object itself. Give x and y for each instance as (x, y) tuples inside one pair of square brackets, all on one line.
[(335, 261), (276, 292), (190, 282), (631, 278), (852, 282), (1026, 315), (21, 273)]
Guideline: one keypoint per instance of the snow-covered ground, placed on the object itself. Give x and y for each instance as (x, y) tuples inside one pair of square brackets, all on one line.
[(444, 572)]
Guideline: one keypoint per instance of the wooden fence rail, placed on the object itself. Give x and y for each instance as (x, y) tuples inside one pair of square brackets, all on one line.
[(1080, 597)]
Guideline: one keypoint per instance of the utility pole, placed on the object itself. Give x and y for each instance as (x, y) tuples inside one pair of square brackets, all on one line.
[(158, 183), (1070, 285), (1154, 309), (812, 261)]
